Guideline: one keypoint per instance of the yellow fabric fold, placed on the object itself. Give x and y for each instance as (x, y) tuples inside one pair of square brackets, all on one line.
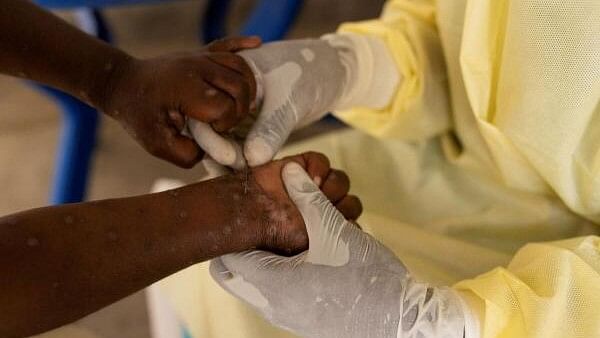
[(548, 290)]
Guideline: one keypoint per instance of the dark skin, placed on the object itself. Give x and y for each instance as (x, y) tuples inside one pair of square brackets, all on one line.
[(150, 98), (60, 263)]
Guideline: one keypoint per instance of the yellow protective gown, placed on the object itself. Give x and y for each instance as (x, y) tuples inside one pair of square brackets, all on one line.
[(483, 171)]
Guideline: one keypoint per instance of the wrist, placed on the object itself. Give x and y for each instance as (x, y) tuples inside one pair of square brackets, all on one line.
[(108, 80), (440, 310), (371, 74), (220, 215)]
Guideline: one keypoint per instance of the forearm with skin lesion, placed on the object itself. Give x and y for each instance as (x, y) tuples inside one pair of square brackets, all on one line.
[(60, 263), (36, 45)]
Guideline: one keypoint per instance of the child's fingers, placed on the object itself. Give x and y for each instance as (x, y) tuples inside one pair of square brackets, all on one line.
[(336, 185), (236, 86), (180, 150), (205, 103), (234, 44), (316, 165), (238, 65), (350, 206)]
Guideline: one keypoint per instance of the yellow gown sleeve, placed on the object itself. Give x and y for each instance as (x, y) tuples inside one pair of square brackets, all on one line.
[(549, 290), (531, 71), (420, 108)]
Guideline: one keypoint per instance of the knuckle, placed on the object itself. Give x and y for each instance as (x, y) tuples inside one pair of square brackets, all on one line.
[(210, 112), (318, 157), (239, 62)]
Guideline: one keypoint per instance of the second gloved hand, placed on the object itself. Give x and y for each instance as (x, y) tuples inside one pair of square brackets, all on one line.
[(300, 81), (346, 285)]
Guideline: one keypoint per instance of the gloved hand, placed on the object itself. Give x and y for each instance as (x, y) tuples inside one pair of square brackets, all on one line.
[(302, 80), (346, 285)]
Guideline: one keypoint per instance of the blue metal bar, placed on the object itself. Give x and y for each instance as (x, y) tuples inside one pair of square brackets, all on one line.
[(70, 4), (75, 148), (215, 15), (78, 135), (270, 19)]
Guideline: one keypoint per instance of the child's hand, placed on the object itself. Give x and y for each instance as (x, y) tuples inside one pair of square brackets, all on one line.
[(280, 223), (151, 98)]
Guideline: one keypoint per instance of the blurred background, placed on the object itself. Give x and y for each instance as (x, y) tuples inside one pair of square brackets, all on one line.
[(30, 123)]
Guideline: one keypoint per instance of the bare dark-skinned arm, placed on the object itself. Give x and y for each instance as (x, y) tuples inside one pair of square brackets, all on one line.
[(150, 98), (58, 264), (40, 46)]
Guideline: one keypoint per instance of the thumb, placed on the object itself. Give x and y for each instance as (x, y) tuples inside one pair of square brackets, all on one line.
[(324, 223), (268, 133), (180, 149), (223, 150)]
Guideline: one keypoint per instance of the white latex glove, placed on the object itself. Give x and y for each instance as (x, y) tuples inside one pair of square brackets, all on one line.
[(301, 81), (346, 285), (224, 150)]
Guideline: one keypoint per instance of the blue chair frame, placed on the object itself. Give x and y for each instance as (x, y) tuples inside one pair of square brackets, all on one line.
[(271, 19), (80, 125)]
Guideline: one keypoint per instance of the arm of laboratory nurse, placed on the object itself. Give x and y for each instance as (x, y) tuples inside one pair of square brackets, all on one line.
[(60, 263), (148, 97), (385, 76), (346, 285), (304, 79)]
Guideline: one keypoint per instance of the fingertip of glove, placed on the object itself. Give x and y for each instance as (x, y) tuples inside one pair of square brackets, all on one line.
[(257, 152), (296, 178), (293, 169)]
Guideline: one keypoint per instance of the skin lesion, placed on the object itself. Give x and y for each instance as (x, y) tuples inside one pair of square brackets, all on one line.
[(281, 223), (266, 202), (260, 207)]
